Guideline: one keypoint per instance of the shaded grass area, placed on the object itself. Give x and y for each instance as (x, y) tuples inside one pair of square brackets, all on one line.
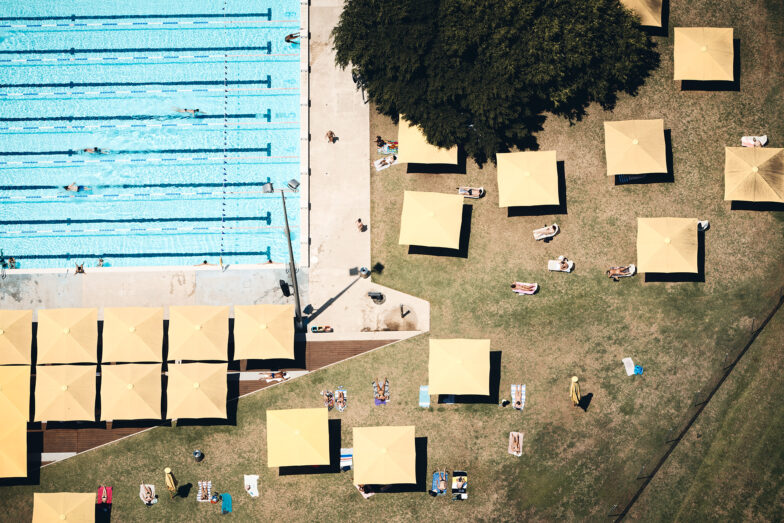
[(574, 464)]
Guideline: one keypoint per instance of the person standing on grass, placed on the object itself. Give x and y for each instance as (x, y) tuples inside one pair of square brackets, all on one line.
[(574, 392)]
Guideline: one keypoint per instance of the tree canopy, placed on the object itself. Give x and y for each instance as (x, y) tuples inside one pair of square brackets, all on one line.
[(482, 73)]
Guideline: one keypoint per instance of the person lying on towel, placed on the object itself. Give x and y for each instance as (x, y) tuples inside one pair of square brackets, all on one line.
[(518, 399), (380, 394), (516, 447), (616, 272)]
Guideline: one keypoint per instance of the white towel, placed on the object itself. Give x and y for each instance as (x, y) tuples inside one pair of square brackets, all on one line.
[(252, 485), (628, 365), (141, 493)]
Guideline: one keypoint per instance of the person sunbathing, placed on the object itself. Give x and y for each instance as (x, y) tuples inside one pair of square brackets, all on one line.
[(329, 399), (469, 191), (104, 496), (147, 494), (547, 230), (523, 287), (204, 493), (518, 398), (618, 272), (516, 447), (341, 400), (380, 395), (442, 481), (565, 264), (460, 482), (276, 375)]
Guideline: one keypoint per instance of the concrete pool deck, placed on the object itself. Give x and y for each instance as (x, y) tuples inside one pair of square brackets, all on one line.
[(337, 192)]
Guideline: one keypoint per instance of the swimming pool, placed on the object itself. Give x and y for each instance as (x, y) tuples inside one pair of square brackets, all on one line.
[(167, 188)]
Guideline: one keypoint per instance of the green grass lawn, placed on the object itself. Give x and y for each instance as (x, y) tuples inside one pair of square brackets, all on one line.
[(574, 463)]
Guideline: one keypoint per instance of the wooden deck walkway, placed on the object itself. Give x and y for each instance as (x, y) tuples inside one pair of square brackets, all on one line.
[(81, 436)]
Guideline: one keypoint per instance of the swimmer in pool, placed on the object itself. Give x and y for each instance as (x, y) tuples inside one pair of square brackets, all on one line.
[(76, 188), (94, 150), (194, 112), (291, 38)]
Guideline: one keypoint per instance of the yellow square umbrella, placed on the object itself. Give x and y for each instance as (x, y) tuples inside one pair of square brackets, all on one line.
[(384, 455), (667, 245), (133, 334), (704, 53), (65, 393), (15, 392), (197, 390), (459, 366), (263, 332), (131, 391), (297, 437), (527, 178), (16, 337), (649, 11), (67, 336), (431, 219), (13, 448), (754, 174), (413, 146), (70, 507), (198, 333), (635, 147)]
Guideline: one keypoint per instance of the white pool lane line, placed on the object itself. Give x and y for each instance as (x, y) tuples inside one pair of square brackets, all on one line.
[(141, 59), (261, 125), (153, 24), (150, 160), (293, 91)]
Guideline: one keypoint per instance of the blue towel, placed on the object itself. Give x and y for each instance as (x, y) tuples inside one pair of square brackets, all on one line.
[(522, 395), (226, 505), (424, 396)]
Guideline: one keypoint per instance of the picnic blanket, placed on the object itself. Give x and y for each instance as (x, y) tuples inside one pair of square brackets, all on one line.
[(345, 395), (387, 149), (205, 499), (511, 435), (515, 386), (346, 458), (252, 485), (225, 503), (424, 396)]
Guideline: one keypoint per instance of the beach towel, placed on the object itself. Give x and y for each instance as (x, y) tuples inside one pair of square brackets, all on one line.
[(521, 292), (345, 395), (99, 496), (459, 476), (387, 149), (386, 393), (514, 395), (252, 485), (225, 503), (141, 494), (628, 364), (424, 396), (511, 435), (555, 265), (436, 478), (205, 499), (346, 459), (383, 163), (364, 494)]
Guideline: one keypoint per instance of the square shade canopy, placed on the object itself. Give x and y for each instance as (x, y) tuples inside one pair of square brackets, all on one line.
[(16, 337), (263, 332), (413, 146), (667, 245), (65, 393), (384, 455), (431, 219), (649, 11), (704, 53), (527, 178), (198, 333), (131, 391), (67, 336), (297, 437), (197, 390), (71, 507), (459, 366), (15, 392), (754, 174), (133, 334), (635, 147), (13, 448)]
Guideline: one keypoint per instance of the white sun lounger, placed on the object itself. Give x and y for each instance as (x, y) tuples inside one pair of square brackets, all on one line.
[(476, 192), (544, 233), (385, 162), (252, 485), (748, 141), (512, 434), (555, 265)]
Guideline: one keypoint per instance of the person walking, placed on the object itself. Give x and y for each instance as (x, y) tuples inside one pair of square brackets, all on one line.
[(574, 392)]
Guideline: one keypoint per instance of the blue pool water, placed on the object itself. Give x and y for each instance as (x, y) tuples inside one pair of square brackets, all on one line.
[(171, 188)]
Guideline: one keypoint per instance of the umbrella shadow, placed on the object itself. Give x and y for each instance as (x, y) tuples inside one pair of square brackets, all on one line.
[(334, 456), (738, 205), (440, 168), (673, 277), (465, 236)]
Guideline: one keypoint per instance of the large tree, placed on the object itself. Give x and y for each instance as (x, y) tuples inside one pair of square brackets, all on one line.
[(481, 73)]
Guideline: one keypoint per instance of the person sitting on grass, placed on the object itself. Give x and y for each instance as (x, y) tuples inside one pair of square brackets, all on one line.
[(618, 272)]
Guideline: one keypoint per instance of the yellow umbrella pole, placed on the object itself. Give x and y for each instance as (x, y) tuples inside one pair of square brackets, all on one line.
[(171, 483), (574, 392)]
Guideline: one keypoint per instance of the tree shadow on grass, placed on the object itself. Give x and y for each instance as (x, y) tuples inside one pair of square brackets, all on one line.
[(460, 252), (719, 85), (334, 456)]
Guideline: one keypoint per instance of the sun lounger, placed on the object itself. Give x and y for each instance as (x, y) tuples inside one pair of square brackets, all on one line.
[(511, 435), (345, 396), (436, 479), (199, 496), (515, 387), (459, 477), (546, 232), (252, 485), (346, 459), (424, 396), (364, 493), (103, 492), (142, 492), (518, 291), (555, 265), (632, 269), (748, 141), (471, 192), (225, 503), (385, 162)]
